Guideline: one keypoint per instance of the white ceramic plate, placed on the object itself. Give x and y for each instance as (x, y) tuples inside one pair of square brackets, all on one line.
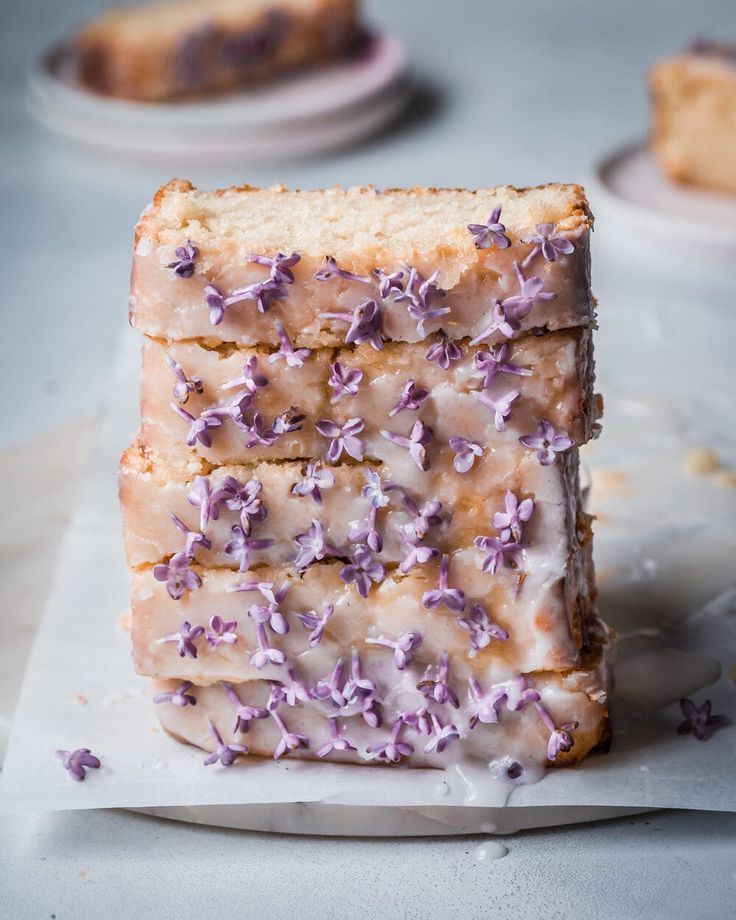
[(294, 117), (636, 201)]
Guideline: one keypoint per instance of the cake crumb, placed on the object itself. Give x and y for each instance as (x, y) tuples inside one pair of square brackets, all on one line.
[(700, 461), (606, 574), (124, 620), (80, 698), (726, 478), (608, 482)]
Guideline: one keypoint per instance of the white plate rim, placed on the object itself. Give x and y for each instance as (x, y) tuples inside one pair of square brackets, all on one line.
[(647, 217), (253, 108)]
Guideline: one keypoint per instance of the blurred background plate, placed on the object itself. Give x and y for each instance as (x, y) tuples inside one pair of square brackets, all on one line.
[(300, 115), (684, 227)]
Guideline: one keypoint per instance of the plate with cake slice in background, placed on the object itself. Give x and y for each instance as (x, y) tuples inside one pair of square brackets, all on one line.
[(680, 185), (230, 79)]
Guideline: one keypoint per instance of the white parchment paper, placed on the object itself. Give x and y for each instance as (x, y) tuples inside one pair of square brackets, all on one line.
[(80, 691)]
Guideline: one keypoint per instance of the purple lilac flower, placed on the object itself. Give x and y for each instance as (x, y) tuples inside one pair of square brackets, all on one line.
[(442, 596), (403, 647), (365, 324), (697, 719), (417, 554), (177, 575), (337, 742), (227, 754), (392, 749), (244, 714), (547, 442), (373, 490), (293, 357), (481, 630), (331, 271), (183, 386), (419, 437), (343, 438), (439, 690), (203, 497), (500, 405), (411, 397), (180, 697), (443, 351), (560, 738), (465, 453), (221, 631), (363, 570), (493, 362), (291, 420), (186, 256), (365, 531), (312, 546), (290, 741), (216, 303), (329, 688), (194, 538), (314, 480), (241, 545), (185, 639), (280, 266), (269, 612), (259, 433), (264, 293), (418, 719), (530, 292), (344, 381), (501, 321), (357, 686), (419, 293), (265, 654), (486, 707), (294, 692), (444, 735), (425, 517), (511, 521), (389, 282), (251, 378), (499, 554), (492, 233), (316, 624), (199, 428), (76, 763), (549, 241), (243, 498), (508, 313)]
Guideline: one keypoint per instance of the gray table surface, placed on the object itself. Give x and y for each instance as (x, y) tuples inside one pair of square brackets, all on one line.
[(521, 92)]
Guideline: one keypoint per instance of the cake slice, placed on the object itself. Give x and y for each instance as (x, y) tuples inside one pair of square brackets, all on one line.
[(184, 48), (544, 627), (369, 711), (493, 395), (694, 116), (204, 267)]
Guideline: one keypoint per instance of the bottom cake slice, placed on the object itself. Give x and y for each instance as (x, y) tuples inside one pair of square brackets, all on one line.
[(389, 709)]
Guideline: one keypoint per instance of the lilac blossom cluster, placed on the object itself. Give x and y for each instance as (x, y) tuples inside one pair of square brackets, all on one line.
[(506, 550)]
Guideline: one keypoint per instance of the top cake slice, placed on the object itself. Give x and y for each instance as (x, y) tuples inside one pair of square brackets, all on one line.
[(349, 266)]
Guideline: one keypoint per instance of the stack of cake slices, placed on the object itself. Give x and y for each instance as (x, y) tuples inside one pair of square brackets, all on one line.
[(353, 512)]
